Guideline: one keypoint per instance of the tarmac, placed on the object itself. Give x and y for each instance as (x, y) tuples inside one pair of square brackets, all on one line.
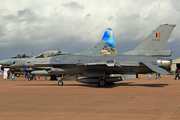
[(136, 99)]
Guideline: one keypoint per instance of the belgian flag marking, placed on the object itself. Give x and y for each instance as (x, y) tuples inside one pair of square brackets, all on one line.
[(158, 35)]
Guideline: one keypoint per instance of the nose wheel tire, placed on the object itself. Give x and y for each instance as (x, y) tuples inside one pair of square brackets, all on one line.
[(60, 83), (29, 79), (102, 82), (17, 75)]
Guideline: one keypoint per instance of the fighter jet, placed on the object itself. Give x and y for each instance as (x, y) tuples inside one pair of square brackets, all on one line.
[(22, 57), (105, 47), (97, 69), (102, 48), (15, 59)]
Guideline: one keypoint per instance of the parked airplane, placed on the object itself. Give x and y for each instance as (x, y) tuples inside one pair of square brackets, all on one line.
[(15, 59), (97, 69), (105, 47), (22, 57)]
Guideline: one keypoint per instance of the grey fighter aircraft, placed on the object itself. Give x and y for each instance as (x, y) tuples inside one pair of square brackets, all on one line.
[(97, 69), (15, 59), (105, 47), (22, 57)]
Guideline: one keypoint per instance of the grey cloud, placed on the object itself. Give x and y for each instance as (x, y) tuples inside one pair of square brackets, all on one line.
[(175, 4), (88, 15), (133, 16), (9, 17), (26, 12), (111, 18), (26, 15), (2, 30), (73, 5)]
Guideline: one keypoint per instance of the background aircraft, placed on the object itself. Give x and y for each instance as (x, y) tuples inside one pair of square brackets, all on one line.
[(22, 57), (97, 69), (15, 59)]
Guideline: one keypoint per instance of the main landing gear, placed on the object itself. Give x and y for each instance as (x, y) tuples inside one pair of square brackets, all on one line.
[(102, 82)]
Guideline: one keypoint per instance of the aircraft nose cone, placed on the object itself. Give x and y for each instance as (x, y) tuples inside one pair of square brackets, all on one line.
[(18, 65), (3, 62)]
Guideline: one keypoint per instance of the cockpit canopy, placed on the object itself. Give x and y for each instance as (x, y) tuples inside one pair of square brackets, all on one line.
[(51, 53), (24, 55)]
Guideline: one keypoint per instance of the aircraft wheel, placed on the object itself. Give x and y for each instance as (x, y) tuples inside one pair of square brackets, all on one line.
[(60, 83), (102, 82), (17, 75), (29, 79)]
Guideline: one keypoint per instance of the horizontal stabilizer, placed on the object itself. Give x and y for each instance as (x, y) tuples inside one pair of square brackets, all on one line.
[(155, 68)]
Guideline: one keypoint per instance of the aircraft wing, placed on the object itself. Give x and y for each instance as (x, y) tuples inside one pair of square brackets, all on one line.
[(155, 68)]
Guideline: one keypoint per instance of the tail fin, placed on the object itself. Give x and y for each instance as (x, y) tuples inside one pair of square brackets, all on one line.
[(155, 42), (106, 47)]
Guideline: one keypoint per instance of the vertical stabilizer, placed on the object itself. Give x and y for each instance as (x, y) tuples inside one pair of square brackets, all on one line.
[(106, 47), (154, 44), (110, 48), (157, 39)]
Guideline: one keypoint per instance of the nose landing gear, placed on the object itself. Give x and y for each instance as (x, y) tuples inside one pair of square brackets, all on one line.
[(60, 83)]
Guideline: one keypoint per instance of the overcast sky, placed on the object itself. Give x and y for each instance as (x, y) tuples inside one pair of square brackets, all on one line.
[(74, 26)]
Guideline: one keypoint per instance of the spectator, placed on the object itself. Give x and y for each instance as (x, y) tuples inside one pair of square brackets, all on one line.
[(26, 75), (8, 74), (176, 73)]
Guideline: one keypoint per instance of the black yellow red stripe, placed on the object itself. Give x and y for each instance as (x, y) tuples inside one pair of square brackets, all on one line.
[(157, 34)]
